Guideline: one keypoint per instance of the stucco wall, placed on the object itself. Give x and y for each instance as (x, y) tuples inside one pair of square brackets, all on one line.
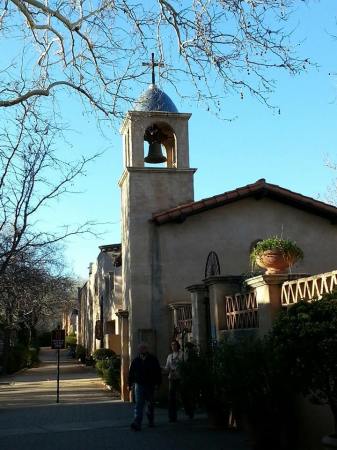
[(108, 289), (145, 191), (179, 251), (99, 286), (230, 231), (159, 262)]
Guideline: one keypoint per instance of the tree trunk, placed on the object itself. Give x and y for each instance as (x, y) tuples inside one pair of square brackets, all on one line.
[(6, 349)]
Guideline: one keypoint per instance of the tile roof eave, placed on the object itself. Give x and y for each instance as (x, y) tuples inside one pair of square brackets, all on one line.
[(258, 190)]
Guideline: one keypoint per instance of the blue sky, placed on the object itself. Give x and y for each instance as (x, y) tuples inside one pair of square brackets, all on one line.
[(288, 149)]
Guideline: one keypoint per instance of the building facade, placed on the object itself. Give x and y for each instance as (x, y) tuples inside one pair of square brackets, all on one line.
[(167, 237), (99, 299)]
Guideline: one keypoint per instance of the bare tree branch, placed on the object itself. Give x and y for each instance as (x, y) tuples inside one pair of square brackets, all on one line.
[(95, 49), (32, 176)]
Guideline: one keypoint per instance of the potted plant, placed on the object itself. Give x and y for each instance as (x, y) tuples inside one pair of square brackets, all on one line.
[(275, 254), (306, 335)]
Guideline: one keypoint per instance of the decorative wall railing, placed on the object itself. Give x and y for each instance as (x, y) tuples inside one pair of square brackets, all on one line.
[(241, 311), (308, 288), (182, 317)]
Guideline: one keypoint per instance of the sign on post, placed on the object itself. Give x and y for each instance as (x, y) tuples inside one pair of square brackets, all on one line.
[(58, 339)]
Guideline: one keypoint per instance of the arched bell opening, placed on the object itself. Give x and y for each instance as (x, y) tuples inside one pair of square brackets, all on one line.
[(161, 145)]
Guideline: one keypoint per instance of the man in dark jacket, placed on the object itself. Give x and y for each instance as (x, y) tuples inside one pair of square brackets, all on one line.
[(144, 376)]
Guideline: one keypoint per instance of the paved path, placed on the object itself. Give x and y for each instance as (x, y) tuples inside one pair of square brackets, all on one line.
[(37, 386), (88, 416)]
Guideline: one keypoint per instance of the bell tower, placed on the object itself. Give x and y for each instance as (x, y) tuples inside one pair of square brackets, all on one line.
[(164, 130), (156, 176)]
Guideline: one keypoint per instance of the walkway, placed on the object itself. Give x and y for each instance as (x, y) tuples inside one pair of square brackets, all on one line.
[(37, 386), (88, 417)]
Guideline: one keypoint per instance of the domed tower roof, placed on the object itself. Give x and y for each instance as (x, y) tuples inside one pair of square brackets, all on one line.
[(154, 99)]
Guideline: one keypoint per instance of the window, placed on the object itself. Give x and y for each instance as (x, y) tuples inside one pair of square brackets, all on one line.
[(111, 327), (112, 281), (96, 285)]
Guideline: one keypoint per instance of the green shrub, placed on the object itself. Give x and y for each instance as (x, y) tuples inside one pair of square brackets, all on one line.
[(100, 366), (245, 377), (102, 353), (305, 338), (80, 353), (197, 378), (44, 339), (109, 370), (33, 357), (71, 340), (70, 343), (254, 376), (17, 358), (21, 356), (89, 361), (112, 375), (23, 335)]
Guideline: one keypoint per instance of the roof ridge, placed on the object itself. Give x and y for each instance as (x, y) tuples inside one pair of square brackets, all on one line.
[(196, 206)]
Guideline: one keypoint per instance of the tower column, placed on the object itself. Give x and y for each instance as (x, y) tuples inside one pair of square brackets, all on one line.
[(218, 288), (123, 317), (199, 325), (163, 181)]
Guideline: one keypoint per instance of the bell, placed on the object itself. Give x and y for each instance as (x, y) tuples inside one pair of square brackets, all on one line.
[(155, 155)]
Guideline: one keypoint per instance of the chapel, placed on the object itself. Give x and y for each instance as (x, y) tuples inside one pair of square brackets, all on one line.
[(179, 257)]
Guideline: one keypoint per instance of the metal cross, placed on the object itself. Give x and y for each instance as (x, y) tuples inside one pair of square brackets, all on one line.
[(153, 64)]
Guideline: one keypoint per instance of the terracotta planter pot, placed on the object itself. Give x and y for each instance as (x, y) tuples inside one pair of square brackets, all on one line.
[(330, 442), (275, 262)]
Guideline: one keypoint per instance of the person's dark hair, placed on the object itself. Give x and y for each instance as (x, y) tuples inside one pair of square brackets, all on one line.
[(176, 342)]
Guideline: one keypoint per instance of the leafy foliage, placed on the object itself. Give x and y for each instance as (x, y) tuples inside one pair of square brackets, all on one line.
[(33, 356), (305, 337), (71, 340), (246, 377), (288, 248), (80, 353), (254, 378), (258, 379), (109, 369), (197, 377), (21, 356), (44, 339), (103, 353)]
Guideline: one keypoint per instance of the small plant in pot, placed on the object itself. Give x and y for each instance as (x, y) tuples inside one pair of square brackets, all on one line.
[(275, 254)]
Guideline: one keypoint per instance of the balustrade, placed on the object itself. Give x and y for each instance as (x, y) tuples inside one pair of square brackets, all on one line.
[(241, 311), (308, 288)]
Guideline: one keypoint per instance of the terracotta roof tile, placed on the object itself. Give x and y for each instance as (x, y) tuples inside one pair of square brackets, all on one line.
[(258, 189)]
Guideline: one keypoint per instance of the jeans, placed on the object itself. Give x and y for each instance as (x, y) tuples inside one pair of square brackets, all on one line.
[(174, 389), (144, 394), (187, 398)]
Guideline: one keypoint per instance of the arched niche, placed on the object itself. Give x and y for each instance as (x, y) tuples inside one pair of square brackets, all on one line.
[(162, 133)]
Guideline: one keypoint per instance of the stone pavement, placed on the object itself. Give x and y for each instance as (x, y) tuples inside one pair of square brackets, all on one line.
[(88, 416)]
